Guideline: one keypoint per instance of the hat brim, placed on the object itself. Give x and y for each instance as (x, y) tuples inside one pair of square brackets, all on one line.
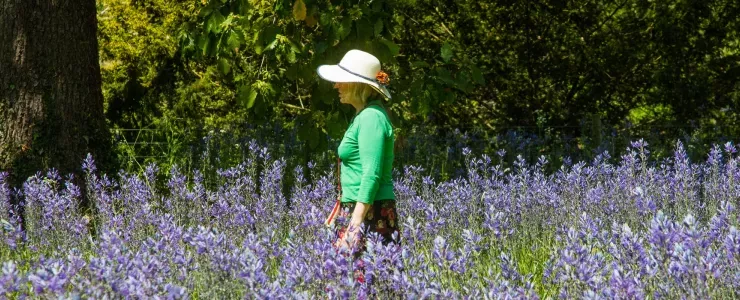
[(334, 73)]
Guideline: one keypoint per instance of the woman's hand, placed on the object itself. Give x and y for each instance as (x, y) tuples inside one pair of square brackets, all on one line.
[(350, 238)]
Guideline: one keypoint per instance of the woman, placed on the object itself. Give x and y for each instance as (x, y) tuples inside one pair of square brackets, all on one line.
[(366, 151)]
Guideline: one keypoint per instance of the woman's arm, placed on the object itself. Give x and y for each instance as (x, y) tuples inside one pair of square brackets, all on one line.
[(359, 214), (355, 224)]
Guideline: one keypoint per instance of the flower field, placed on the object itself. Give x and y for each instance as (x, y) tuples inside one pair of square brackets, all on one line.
[(639, 228)]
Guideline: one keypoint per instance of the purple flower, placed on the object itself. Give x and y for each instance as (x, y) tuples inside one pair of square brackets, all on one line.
[(10, 279)]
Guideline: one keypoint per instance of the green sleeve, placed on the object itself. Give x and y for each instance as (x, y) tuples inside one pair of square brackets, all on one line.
[(371, 142)]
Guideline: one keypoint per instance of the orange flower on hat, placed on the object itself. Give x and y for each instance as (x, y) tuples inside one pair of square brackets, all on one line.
[(382, 78)]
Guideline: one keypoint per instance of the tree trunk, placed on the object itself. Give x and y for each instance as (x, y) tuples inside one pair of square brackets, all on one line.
[(51, 103)]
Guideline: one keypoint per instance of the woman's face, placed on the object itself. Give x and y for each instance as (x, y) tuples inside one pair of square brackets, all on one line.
[(344, 94)]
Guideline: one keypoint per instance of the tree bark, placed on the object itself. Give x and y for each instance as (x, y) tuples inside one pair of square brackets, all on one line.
[(51, 103)]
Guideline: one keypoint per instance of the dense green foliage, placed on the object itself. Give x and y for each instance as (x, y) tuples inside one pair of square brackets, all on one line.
[(579, 74)]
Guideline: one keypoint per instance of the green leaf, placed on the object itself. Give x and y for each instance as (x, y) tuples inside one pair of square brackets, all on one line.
[(320, 47), (211, 46), (392, 47), (214, 22), (344, 28), (420, 64), (299, 10), (293, 46), (243, 7), (235, 40), (271, 45), (422, 107), (304, 130), (257, 38), (446, 52), (378, 27), (203, 42), (445, 95), (377, 6), (223, 66), (226, 23), (291, 57), (265, 88), (477, 75), (269, 35), (205, 11), (309, 133), (246, 96), (445, 76), (325, 19), (463, 82)]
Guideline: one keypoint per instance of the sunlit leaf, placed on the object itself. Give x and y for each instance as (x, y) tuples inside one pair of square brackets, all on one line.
[(265, 88), (258, 39), (227, 22), (223, 66), (202, 42), (246, 96), (243, 7), (214, 22), (205, 11), (271, 45), (293, 46), (269, 37), (299, 10), (235, 40), (325, 19)]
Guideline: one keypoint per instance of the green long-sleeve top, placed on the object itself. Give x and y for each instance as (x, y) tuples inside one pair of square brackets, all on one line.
[(366, 152)]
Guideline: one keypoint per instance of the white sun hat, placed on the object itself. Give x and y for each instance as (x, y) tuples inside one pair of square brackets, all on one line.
[(355, 66)]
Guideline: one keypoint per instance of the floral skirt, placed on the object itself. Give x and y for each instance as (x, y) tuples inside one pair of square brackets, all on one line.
[(380, 218)]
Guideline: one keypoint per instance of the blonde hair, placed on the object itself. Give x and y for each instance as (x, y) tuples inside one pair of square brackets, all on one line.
[(360, 91)]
